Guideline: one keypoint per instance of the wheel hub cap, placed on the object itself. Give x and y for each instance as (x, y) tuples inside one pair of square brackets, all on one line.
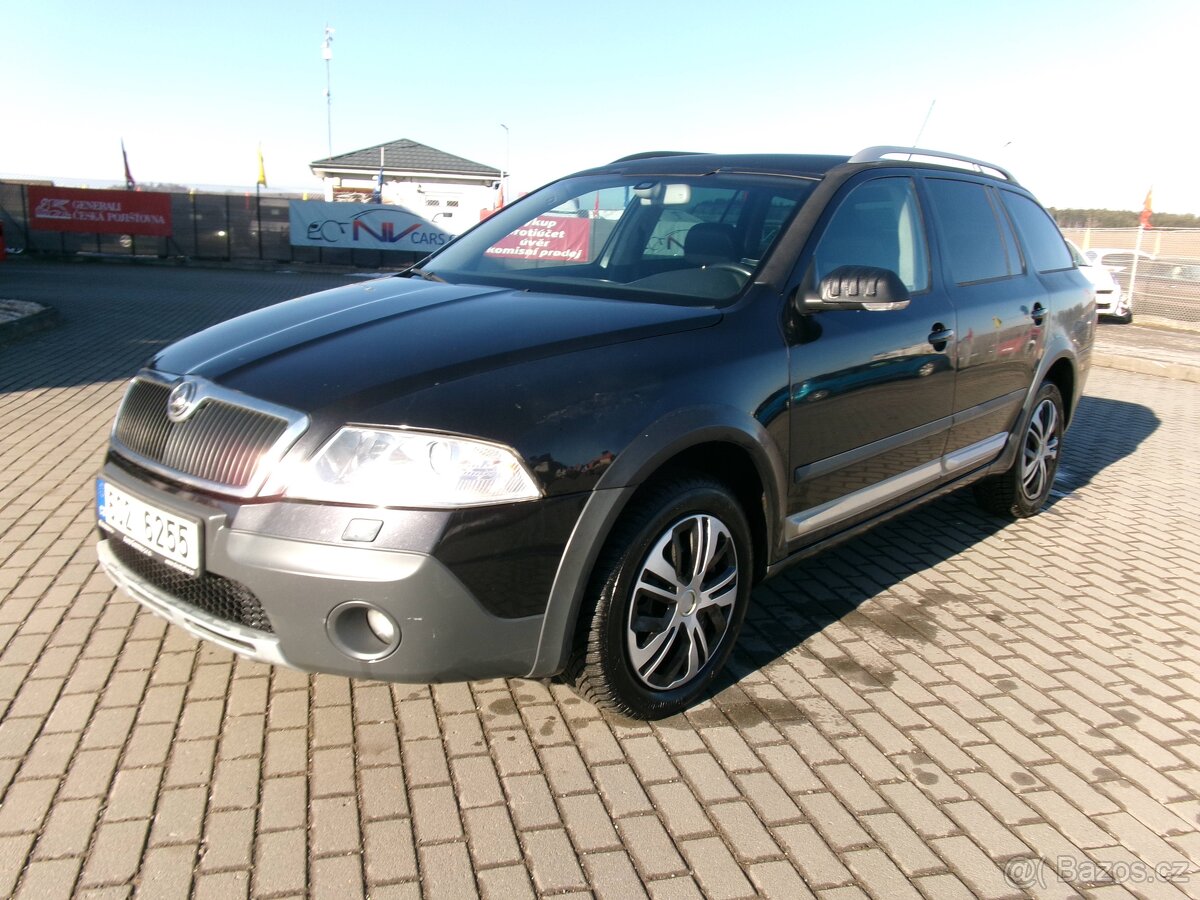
[(682, 602)]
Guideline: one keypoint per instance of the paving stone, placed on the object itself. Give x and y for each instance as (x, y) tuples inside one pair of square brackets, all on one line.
[(819, 865), (49, 880), (505, 883), (612, 875), (116, 853), (907, 848), (530, 801), (68, 829), (229, 841), (622, 793), (678, 808), (389, 851), (476, 783), (743, 832), (337, 878), (435, 814), (179, 818), (588, 823), (552, 861), (280, 863), (706, 778), (166, 872), (652, 849), (715, 870)]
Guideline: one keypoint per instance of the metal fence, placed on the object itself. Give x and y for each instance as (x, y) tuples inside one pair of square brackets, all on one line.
[(222, 227), (1161, 266)]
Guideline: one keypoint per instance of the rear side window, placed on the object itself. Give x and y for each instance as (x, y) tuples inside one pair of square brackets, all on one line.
[(1047, 250), (976, 242)]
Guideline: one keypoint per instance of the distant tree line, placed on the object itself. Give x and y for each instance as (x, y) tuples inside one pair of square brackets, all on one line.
[(1119, 218)]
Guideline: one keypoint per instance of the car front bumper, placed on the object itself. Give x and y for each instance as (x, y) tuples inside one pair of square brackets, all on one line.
[(313, 593), (1110, 303)]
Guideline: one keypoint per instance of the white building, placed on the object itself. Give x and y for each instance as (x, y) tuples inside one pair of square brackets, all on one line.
[(447, 190)]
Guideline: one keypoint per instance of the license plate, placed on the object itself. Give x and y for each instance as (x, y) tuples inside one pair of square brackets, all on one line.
[(168, 536)]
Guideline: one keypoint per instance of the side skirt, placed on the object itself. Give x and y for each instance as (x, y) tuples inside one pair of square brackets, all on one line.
[(819, 547)]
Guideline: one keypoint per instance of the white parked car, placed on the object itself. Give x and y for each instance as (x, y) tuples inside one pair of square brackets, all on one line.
[(1100, 265)]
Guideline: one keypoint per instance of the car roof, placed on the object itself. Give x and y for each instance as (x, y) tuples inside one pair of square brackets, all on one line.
[(663, 163), (673, 162)]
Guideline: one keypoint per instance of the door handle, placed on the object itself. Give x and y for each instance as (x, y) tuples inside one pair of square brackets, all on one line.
[(940, 335), (1038, 314)]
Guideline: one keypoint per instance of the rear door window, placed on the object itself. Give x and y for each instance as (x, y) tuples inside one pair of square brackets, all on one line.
[(976, 242)]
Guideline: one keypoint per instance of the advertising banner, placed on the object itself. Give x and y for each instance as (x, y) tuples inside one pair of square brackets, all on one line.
[(547, 238), (367, 226), (106, 212)]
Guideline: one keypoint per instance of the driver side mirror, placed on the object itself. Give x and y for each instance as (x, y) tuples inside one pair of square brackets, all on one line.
[(855, 287)]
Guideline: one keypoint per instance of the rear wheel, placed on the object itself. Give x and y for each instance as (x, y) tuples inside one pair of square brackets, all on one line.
[(668, 597), (1022, 490)]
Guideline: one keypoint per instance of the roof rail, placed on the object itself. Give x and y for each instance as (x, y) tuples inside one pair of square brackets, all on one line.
[(936, 157), (654, 154)]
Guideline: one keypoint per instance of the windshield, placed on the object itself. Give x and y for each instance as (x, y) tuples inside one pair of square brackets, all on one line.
[(690, 239)]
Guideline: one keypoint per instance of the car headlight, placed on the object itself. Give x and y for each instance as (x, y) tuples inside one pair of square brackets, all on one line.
[(382, 467)]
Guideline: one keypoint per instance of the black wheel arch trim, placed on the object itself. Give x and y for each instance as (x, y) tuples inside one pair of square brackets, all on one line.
[(1051, 359), (654, 447)]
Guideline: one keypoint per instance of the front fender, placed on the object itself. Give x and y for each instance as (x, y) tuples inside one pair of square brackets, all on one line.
[(654, 447)]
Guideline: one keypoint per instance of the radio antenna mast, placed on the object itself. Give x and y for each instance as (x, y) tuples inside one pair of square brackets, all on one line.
[(917, 142), (327, 55)]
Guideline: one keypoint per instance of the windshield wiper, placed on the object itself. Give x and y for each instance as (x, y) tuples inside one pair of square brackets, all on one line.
[(428, 276)]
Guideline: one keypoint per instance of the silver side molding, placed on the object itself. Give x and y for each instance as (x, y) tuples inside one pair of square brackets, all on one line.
[(882, 492)]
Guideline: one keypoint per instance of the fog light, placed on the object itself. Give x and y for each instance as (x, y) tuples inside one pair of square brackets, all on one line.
[(381, 626), (363, 631)]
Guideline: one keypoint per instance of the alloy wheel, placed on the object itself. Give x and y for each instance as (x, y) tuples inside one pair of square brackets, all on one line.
[(1040, 457)]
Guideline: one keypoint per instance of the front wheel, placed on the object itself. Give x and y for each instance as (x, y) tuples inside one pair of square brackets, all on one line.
[(1023, 489), (667, 598)]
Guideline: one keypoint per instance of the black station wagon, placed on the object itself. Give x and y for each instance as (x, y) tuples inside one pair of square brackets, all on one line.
[(572, 440)]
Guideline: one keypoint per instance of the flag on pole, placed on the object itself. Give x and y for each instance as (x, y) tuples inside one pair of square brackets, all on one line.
[(1147, 209), (499, 197), (262, 171), (130, 184)]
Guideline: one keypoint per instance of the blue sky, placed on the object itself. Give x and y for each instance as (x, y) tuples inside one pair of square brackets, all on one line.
[(1089, 103)]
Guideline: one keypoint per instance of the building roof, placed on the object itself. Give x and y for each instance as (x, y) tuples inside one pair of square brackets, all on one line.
[(406, 156)]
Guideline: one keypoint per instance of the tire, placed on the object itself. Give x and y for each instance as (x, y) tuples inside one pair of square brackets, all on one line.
[(1022, 491), (666, 600)]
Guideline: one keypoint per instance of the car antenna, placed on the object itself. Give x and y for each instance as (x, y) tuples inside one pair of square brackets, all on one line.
[(917, 143)]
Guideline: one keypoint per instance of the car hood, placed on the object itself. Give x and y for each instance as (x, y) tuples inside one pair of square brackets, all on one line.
[(357, 345)]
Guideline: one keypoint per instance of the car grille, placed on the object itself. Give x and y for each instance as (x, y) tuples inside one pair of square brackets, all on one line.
[(218, 596), (220, 442)]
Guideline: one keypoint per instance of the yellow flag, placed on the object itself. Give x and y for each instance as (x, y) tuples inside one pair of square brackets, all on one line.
[(262, 172)]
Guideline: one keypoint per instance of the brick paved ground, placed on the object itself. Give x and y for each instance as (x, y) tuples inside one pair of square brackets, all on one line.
[(906, 716)]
